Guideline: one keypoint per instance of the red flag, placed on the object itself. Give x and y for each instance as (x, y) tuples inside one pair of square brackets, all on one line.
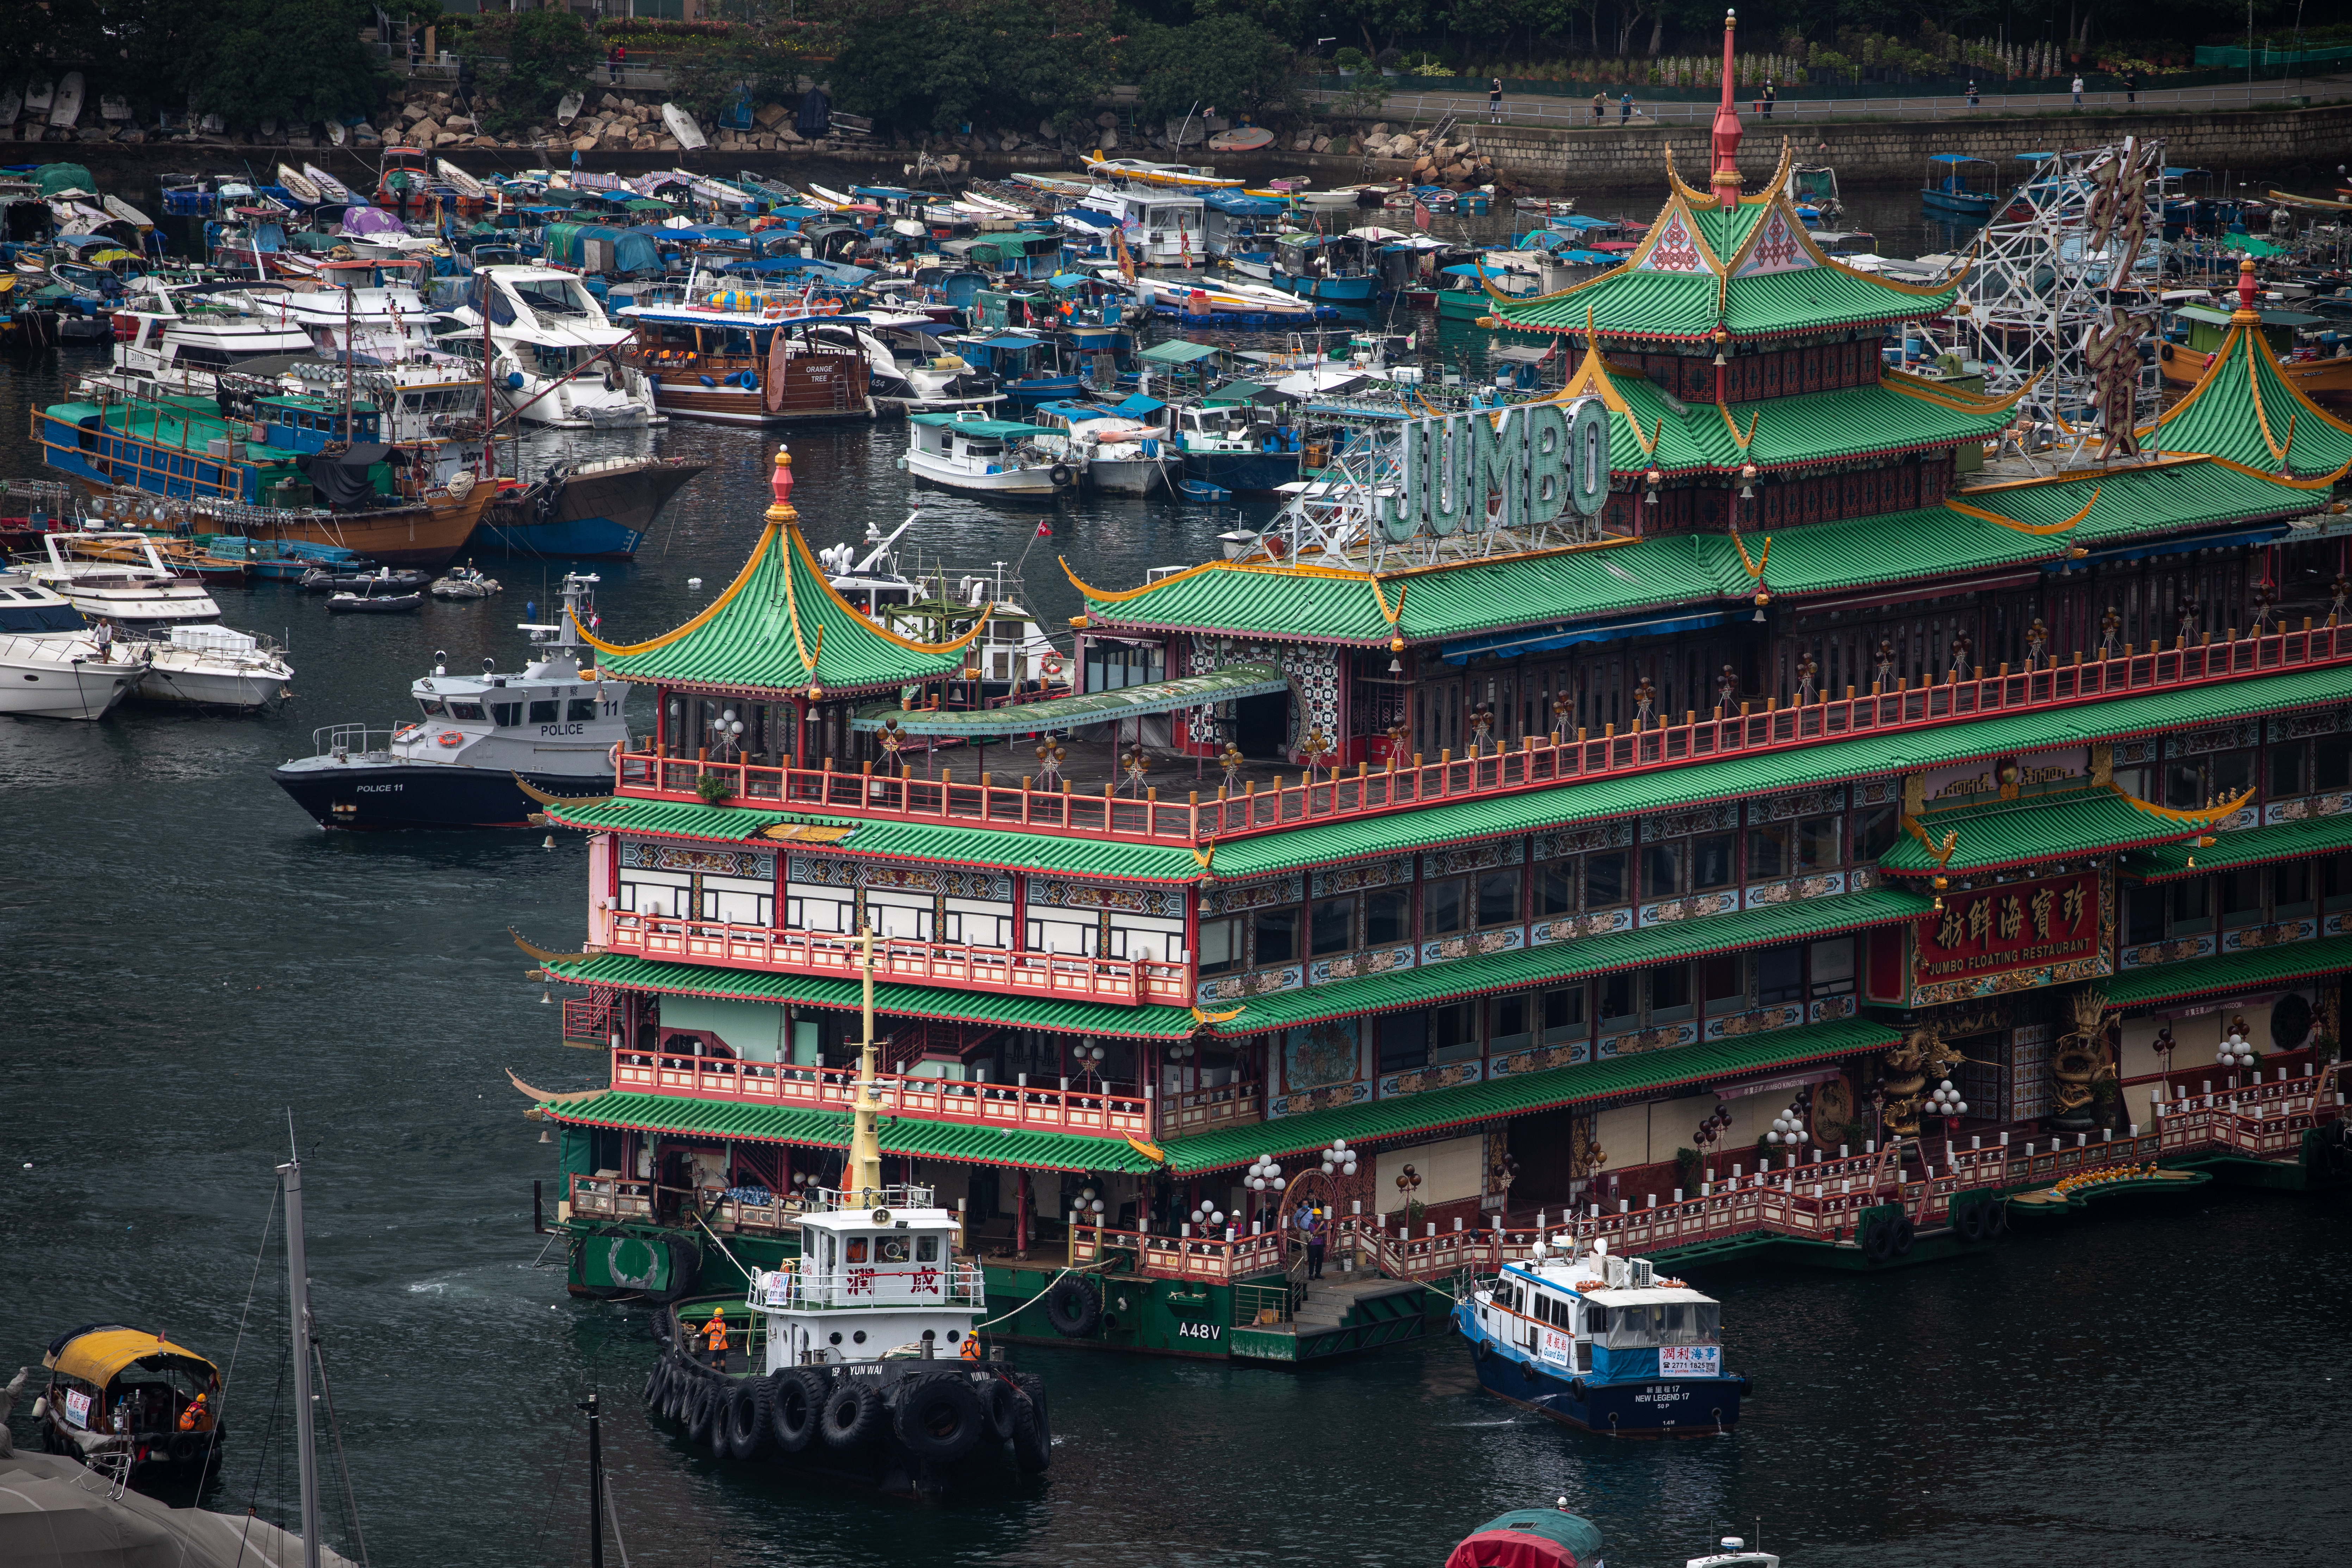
[(1045, 530), (1420, 214)]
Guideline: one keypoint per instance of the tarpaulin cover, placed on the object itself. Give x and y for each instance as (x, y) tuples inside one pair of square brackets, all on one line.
[(51, 178), (1529, 1538), (362, 222), (341, 477)]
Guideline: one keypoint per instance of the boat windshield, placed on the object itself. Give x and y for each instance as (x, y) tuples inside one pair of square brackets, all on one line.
[(1659, 1324)]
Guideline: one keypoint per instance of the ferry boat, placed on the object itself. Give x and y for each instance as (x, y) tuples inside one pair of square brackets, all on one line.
[(132, 1402), (861, 1357), (742, 356), (1494, 834), (1603, 1343), (487, 748), (984, 455)]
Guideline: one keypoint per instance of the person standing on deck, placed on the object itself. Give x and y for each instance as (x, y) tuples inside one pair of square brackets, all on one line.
[(1310, 1228), (1495, 101), (714, 1338)]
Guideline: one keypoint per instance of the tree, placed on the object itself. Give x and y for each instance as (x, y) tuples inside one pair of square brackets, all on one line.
[(528, 60), (919, 66), (295, 61), (1226, 61)]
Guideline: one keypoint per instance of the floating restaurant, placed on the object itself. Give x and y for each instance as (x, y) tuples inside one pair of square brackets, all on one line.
[(1746, 800)]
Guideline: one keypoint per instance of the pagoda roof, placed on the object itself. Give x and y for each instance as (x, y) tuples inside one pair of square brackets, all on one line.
[(2000, 835), (2243, 410), (779, 627), (1749, 270)]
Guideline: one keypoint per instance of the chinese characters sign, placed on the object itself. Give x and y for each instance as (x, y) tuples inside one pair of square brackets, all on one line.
[(1989, 930)]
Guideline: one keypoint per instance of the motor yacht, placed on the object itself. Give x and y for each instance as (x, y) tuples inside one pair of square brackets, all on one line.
[(53, 664), (117, 576), (555, 359)]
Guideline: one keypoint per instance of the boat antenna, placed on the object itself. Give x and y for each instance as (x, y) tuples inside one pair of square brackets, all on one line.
[(298, 1290), (865, 1167)]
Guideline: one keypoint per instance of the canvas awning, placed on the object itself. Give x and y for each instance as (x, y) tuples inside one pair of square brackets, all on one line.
[(1177, 351), (1065, 713)]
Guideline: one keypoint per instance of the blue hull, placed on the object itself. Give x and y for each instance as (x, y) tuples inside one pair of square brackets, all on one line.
[(1336, 291), (570, 539), (1243, 473), (1959, 204), (1638, 1407)]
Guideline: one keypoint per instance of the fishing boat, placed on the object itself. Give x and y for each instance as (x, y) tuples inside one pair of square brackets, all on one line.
[(984, 456), (598, 509), (300, 186), (404, 181), (1112, 452), (1603, 1342), (1168, 177), (2318, 370), (52, 664), (130, 1401), (1237, 447), (1531, 1538), (483, 745), (1959, 186), (738, 356), (1812, 190)]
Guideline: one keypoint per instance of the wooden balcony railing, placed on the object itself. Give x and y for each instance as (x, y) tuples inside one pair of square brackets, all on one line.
[(1539, 762), (1098, 1111), (1068, 977), (1198, 1109), (612, 1197), (1201, 1258)]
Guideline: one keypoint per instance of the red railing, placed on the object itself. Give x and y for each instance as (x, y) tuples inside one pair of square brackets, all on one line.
[(925, 1098), (1539, 762), (1202, 1258), (1197, 1110), (592, 1019), (1068, 977)]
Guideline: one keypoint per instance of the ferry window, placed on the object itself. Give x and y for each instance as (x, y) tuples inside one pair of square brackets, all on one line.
[(1875, 831), (1331, 926), (1768, 851), (2193, 906), (1780, 975), (1604, 879), (1498, 898), (1404, 1041), (1220, 945), (1453, 1032), (1833, 967), (1506, 1025), (1387, 918), (1441, 907), (1617, 1005), (2331, 763), (465, 710), (2289, 889), (581, 709), (1563, 1016), (890, 1249), (1670, 992), (2241, 897), (1816, 844), (2144, 915), (1712, 862), (506, 713), (2286, 771), (2184, 786), (1273, 936), (1555, 889), (927, 1250), (1723, 982), (1661, 870), (544, 712), (432, 706)]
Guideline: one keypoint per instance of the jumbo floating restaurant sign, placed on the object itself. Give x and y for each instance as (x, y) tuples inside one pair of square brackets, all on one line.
[(1543, 459)]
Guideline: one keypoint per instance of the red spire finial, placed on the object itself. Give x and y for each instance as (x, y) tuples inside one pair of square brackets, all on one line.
[(2246, 285), (781, 487), (1725, 180)]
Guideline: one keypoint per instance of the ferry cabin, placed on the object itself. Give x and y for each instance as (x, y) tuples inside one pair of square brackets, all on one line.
[(747, 366), (1583, 871), (869, 1279)]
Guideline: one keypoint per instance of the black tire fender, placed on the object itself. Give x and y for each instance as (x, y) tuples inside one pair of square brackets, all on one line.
[(1996, 1222), (186, 1446), (1032, 1439), (655, 1380), (996, 1402), (1878, 1240), (795, 1403), (744, 1423), (685, 1270), (939, 1418), (853, 1417), (704, 1413), (1905, 1234), (1073, 1306), (1059, 473), (1968, 1220)]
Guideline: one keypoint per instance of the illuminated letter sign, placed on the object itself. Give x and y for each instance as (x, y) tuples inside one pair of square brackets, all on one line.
[(1514, 467)]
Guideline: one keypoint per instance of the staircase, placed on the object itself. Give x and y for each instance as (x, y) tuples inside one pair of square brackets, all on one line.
[(1338, 1316)]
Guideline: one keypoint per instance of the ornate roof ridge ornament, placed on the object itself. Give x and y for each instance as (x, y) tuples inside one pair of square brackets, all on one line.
[(1725, 180)]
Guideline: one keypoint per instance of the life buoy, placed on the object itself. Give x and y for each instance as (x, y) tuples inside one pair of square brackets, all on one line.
[(853, 1415), (451, 738), (1073, 1306), (939, 1418), (1051, 666), (403, 734), (795, 1400)]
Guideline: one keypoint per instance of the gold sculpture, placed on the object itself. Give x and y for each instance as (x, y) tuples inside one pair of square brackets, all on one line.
[(2081, 1058)]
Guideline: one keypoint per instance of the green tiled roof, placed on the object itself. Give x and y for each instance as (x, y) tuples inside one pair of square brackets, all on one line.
[(1574, 960), (2037, 827), (1782, 432), (1419, 1115), (2252, 846), (684, 1117), (779, 627), (1681, 307), (2245, 409), (2253, 971), (2140, 502), (633, 973), (1694, 783), (900, 840)]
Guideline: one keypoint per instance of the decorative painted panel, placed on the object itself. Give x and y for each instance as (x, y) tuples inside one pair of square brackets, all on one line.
[(2129, 752), (1320, 1055), (651, 855), (1473, 945), (1692, 908), (1776, 249), (2213, 737), (1361, 879), (1759, 1021), (1970, 781), (2179, 950), (1829, 1008), (1356, 966), (1577, 840), (1677, 250), (2336, 925), (822, 872), (1997, 940), (1569, 928), (1475, 856), (1543, 1059), (1794, 889), (1797, 803), (1451, 1075), (1232, 898), (2302, 726), (1877, 792), (1127, 901), (1314, 674), (1635, 1042), (1262, 983), (1333, 1099), (2331, 804), (1864, 878), (1683, 823), (2247, 939)]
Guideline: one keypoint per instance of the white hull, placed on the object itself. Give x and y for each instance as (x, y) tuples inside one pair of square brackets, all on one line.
[(581, 404), (42, 677), (1124, 477), (1007, 481), (180, 675)]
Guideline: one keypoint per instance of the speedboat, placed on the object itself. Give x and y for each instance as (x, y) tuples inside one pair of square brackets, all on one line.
[(213, 667), (116, 575), (487, 748), (52, 664)]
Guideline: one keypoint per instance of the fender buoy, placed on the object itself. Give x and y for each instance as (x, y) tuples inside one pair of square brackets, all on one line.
[(940, 1418), (795, 1400), (1059, 473), (1073, 1306), (744, 1425), (1032, 1436), (451, 738), (853, 1415), (996, 1402)]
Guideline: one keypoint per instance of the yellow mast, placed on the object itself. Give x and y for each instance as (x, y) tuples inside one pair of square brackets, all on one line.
[(863, 1179)]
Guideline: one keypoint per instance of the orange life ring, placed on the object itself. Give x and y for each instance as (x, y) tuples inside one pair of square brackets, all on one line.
[(1051, 666), (452, 738), (410, 730)]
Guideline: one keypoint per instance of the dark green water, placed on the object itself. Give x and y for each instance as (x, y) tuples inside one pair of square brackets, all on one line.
[(190, 960)]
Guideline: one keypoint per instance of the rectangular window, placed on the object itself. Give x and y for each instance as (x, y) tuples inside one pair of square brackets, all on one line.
[(544, 712), (2192, 907), (1670, 993), (1220, 945), (1441, 907), (1604, 879), (1404, 1041), (2334, 875), (1453, 1032), (1498, 898), (2184, 786), (2144, 915), (1768, 852), (1331, 926), (927, 1250), (1386, 920), (1617, 1004), (1780, 975), (1661, 870), (2289, 889), (1723, 982), (2231, 774), (2286, 771), (1713, 862), (1817, 844), (579, 710), (1506, 1025), (1563, 1016), (1874, 832), (506, 715), (1274, 936), (1555, 889), (2241, 897), (2331, 763), (1831, 962)]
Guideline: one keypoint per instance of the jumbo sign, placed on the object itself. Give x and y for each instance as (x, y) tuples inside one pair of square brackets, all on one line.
[(1539, 458)]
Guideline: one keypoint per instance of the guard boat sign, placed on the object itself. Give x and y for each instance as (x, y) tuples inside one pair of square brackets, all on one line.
[(1690, 1361)]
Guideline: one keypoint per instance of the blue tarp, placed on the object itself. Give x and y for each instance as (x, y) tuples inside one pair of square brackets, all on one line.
[(1008, 340), (1090, 218), (706, 231), (1578, 221), (1139, 406)]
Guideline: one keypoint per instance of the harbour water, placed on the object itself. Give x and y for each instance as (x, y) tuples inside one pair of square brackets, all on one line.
[(191, 961)]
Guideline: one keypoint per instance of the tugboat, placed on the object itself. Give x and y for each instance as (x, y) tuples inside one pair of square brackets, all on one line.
[(1601, 1343), (490, 749), (859, 1360)]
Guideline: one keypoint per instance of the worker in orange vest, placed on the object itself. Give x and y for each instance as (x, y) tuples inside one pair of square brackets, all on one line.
[(198, 1416), (714, 1337), (971, 1347)]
